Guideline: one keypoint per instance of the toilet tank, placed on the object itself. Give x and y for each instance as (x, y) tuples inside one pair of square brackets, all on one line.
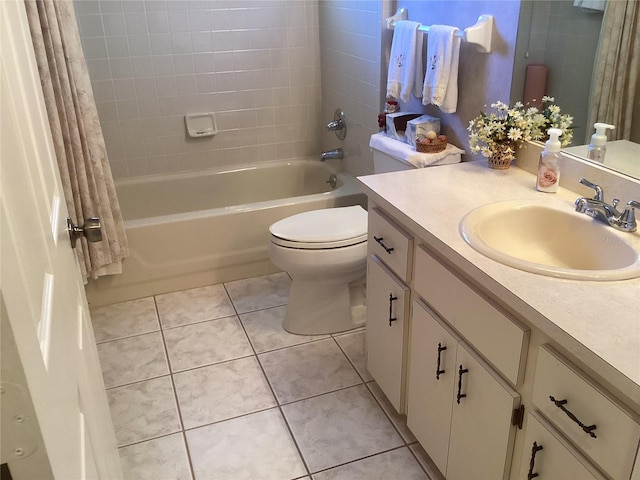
[(383, 162)]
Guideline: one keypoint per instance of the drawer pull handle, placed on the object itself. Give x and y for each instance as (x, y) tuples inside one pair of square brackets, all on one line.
[(561, 405), (379, 240), (438, 371), (461, 371), (391, 300), (535, 449)]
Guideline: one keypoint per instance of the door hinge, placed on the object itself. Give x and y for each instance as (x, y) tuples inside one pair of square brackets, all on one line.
[(518, 417)]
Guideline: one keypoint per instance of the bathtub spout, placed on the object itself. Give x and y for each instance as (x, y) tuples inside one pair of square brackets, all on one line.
[(335, 154)]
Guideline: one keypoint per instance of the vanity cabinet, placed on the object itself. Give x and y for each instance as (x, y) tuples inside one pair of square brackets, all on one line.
[(548, 456), (390, 250)]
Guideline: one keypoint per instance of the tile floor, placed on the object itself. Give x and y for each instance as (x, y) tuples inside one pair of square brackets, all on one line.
[(205, 384)]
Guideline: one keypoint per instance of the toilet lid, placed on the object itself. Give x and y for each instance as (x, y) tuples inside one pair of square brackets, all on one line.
[(328, 225)]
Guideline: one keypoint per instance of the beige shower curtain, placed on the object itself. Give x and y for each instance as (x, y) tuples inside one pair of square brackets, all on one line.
[(80, 149), (617, 67)]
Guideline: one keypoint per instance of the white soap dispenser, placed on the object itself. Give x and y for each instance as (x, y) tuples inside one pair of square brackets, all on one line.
[(598, 145), (548, 170)]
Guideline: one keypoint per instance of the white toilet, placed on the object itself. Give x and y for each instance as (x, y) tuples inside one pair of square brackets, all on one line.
[(324, 252)]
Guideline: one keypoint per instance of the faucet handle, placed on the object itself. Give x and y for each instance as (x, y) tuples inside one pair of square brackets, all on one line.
[(598, 189), (628, 218)]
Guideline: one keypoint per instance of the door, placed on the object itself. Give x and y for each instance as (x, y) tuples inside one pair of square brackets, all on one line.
[(42, 292)]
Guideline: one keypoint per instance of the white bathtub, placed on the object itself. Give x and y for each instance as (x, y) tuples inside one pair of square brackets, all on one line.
[(193, 229)]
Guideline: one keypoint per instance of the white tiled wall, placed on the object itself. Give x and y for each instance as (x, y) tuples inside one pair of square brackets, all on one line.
[(256, 64), (350, 41)]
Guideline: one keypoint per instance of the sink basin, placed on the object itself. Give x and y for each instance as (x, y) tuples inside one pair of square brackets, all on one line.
[(550, 241)]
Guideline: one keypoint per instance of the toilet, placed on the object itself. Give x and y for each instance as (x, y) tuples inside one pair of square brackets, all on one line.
[(324, 251)]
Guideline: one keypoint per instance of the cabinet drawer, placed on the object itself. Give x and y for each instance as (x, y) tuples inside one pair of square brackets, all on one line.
[(390, 243), (499, 339), (612, 444), (387, 330), (550, 457)]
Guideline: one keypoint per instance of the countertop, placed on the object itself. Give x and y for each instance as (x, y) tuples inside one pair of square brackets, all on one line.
[(597, 322)]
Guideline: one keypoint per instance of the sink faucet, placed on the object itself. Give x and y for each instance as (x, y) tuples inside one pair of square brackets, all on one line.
[(598, 209), (335, 154)]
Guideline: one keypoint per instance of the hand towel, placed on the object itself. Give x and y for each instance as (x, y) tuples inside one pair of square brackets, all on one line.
[(407, 153), (441, 79), (405, 62)]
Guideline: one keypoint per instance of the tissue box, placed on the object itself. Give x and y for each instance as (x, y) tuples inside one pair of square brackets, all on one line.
[(418, 128), (396, 124)]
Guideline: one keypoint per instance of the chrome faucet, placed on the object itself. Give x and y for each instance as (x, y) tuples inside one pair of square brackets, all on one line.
[(598, 209), (335, 154)]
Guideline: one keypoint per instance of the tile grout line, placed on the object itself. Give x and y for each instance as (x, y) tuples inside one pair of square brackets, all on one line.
[(175, 393), (284, 418)]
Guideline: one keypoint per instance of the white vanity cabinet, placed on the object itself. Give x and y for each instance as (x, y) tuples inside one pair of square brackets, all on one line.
[(388, 269), (458, 407), (548, 456)]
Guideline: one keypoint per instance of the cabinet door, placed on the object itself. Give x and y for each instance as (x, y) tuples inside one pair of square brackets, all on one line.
[(482, 436), (549, 456), (387, 309), (432, 376)]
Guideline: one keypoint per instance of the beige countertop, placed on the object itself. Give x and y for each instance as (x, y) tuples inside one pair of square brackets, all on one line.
[(597, 322)]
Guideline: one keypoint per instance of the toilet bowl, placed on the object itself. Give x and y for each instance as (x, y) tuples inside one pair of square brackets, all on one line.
[(324, 252)]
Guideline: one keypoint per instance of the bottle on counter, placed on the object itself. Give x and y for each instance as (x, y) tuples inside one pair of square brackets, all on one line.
[(548, 169), (598, 145)]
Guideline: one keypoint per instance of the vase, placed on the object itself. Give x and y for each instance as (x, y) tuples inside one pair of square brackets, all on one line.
[(502, 156)]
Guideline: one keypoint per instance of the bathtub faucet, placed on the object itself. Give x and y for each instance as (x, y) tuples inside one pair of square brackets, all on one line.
[(335, 154)]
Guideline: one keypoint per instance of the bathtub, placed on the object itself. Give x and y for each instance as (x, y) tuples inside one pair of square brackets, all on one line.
[(188, 230)]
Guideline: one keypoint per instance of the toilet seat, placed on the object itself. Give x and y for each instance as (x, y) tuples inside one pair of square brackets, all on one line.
[(322, 229)]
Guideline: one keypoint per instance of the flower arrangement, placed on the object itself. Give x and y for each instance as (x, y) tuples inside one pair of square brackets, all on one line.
[(508, 128)]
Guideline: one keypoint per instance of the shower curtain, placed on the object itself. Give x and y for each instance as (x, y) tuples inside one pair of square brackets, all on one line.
[(77, 136), (615, 79)]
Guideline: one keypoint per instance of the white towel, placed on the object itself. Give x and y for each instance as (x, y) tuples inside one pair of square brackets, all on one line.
[(407, 153), (405, 62), (441, 79)]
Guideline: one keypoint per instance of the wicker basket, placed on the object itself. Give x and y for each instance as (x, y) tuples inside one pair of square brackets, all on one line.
[(431, 148), (501, 159)]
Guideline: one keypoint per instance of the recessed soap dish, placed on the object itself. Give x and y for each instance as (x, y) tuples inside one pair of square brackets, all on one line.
[(201, 124)]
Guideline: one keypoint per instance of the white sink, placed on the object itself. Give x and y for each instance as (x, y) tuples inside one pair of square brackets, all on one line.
[(551, 241)]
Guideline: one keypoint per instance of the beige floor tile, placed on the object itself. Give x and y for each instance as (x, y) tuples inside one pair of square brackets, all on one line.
[(219, 392), (124, 319), (400, 421), (257, 293), (195, 305), (340, 427), (164, 457), (306, 370), (143, 410), (205, 343), (354, 345), (264, 328), (256, 446), (396, 464), (132, 359)]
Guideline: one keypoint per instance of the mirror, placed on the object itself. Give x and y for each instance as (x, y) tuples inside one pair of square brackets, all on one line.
[(565, 38)]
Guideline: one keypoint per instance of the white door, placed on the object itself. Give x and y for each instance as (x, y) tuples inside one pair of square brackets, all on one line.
[(42, 288)]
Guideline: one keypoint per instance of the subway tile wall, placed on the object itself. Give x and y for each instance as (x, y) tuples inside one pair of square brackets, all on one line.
[(256, 64)]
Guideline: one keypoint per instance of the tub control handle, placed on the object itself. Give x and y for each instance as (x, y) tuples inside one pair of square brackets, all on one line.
[(381, 243)]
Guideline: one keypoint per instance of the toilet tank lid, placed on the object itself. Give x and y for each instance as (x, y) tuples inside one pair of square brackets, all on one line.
[(325, 225)]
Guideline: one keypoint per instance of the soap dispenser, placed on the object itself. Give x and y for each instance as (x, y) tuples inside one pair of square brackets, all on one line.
[(548, 170), (598, 145)]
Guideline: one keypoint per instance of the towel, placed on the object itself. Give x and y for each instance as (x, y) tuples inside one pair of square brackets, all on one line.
[(405, 62), (407, 153), (592, 5), (441, 79)]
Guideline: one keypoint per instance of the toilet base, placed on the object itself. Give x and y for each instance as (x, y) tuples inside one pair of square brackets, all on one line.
[(320, 308)]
